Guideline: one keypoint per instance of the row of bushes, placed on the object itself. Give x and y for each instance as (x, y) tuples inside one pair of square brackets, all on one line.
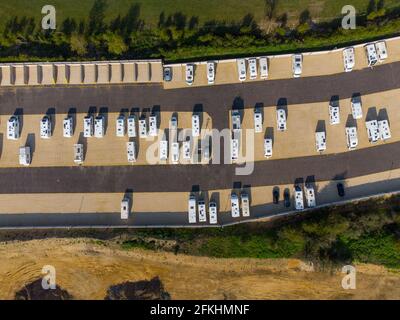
[(178, 37)]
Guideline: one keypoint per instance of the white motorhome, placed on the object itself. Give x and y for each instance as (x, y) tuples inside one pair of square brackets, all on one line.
[(236, 121), (263, 64), (241, 65), (25, 156), (213, 212), (372, 56), (310, 196), (195, 125), (298, 198), (372, 130), (245, 204), (131, 126), (356, 108), (381, 50), (206, 152), (348, 59), (68, 127), (125, 203), (202, 211), (210, 72), (99, 126), (131, 151), (175, 152), (351, 137), (320, 141), (253, 68), (142, 128), (234, 149), (45, 127), (163, 151), (120, 126), (258, 121), (88, 126), (13, 128), (78, 153), (334, 114), (297, 65), (192, 209), (235, 209), (186, 150), (267, 148), (281, 119), (153, 132), (384, 130), (189, 74)]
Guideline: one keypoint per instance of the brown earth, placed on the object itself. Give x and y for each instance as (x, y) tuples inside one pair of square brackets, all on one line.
[(86, 269)]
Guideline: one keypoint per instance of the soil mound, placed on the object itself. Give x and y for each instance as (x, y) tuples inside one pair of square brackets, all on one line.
[(34, 291)]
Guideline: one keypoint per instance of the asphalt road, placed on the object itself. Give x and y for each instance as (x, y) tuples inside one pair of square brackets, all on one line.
[(216, 100)]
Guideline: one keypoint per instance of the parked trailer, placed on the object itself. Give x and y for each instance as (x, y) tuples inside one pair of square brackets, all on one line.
[(189, 74), (351, 137), (253, 68), (381, 50), (213, 212), (334, 114), (384, 130), (297, 65), (268, 148), (195, 125), (372, 56), (348, 59), (281, 119), (320, 141), (175, 152), (236, 121), (298, 198), (245, 204), (13, 128), (241, 65), (25, 156), (356, 108), (88, 126), (263, 64), (153, 132), (142, 128), (78, 153), (131, 126), (163, 152), (192, 209), (258, 121), (120, 126), (310, 196), (45, 127), (131, 151), (125, 204), (210, 72), (234, 149), (235, 210), (99, 126), (68, 127), (372, 130), (202, 211), (186, 150)]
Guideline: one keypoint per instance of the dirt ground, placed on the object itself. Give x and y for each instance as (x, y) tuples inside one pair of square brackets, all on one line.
[(86, 269)]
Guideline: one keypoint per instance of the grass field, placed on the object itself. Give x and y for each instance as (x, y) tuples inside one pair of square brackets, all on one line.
[(228, 10)]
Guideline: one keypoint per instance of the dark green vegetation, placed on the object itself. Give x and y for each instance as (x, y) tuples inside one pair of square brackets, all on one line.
[(179, 30), (363, 232)]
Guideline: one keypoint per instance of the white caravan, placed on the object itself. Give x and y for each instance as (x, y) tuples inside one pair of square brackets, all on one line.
[(192, 209), (25, 156), (281, 119), (175, 152), (186, 150), (267, 148), (245, 204), (334, 114), (351, 137), (241, 65), (310, 196), (163, 151), (189, 74), (356, 108), (372, 56), (78, 153), (13, 128), (236, 121), (384, 130), (213, 212), (131, 126), (142, 128), (88, 126), (297, 65), (253, 68), (381, 50), (153, 132), (258, 121), (234, 149), (68, 126), (320, 141), (298, 198), (235, 209), (263, 64), (210, 72), (202, 211), (125, 208), (120, 126), (348, 59), (45, 127), (131, 151), (372, 130), (195, 125), (99, 126)]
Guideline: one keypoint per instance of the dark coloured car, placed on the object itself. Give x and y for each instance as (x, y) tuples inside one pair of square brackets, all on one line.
[(286, 197), (340, 189), (275, 194), (167, 74)]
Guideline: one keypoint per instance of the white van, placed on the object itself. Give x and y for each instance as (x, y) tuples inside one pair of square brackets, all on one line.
[(263, 64), (131, 151), (68, 127), (241, 65), (192, 209), (210, 72), (131, 126), (235, 210), (297, 65), (213, 212), (88, 126), (99, 126), (189, 74), (268, 148), (120, 126), (78, 153), (125, 208), (13, 128), (253, 68), (348, 59), (45, 127), (25, 156), (202, 211)]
